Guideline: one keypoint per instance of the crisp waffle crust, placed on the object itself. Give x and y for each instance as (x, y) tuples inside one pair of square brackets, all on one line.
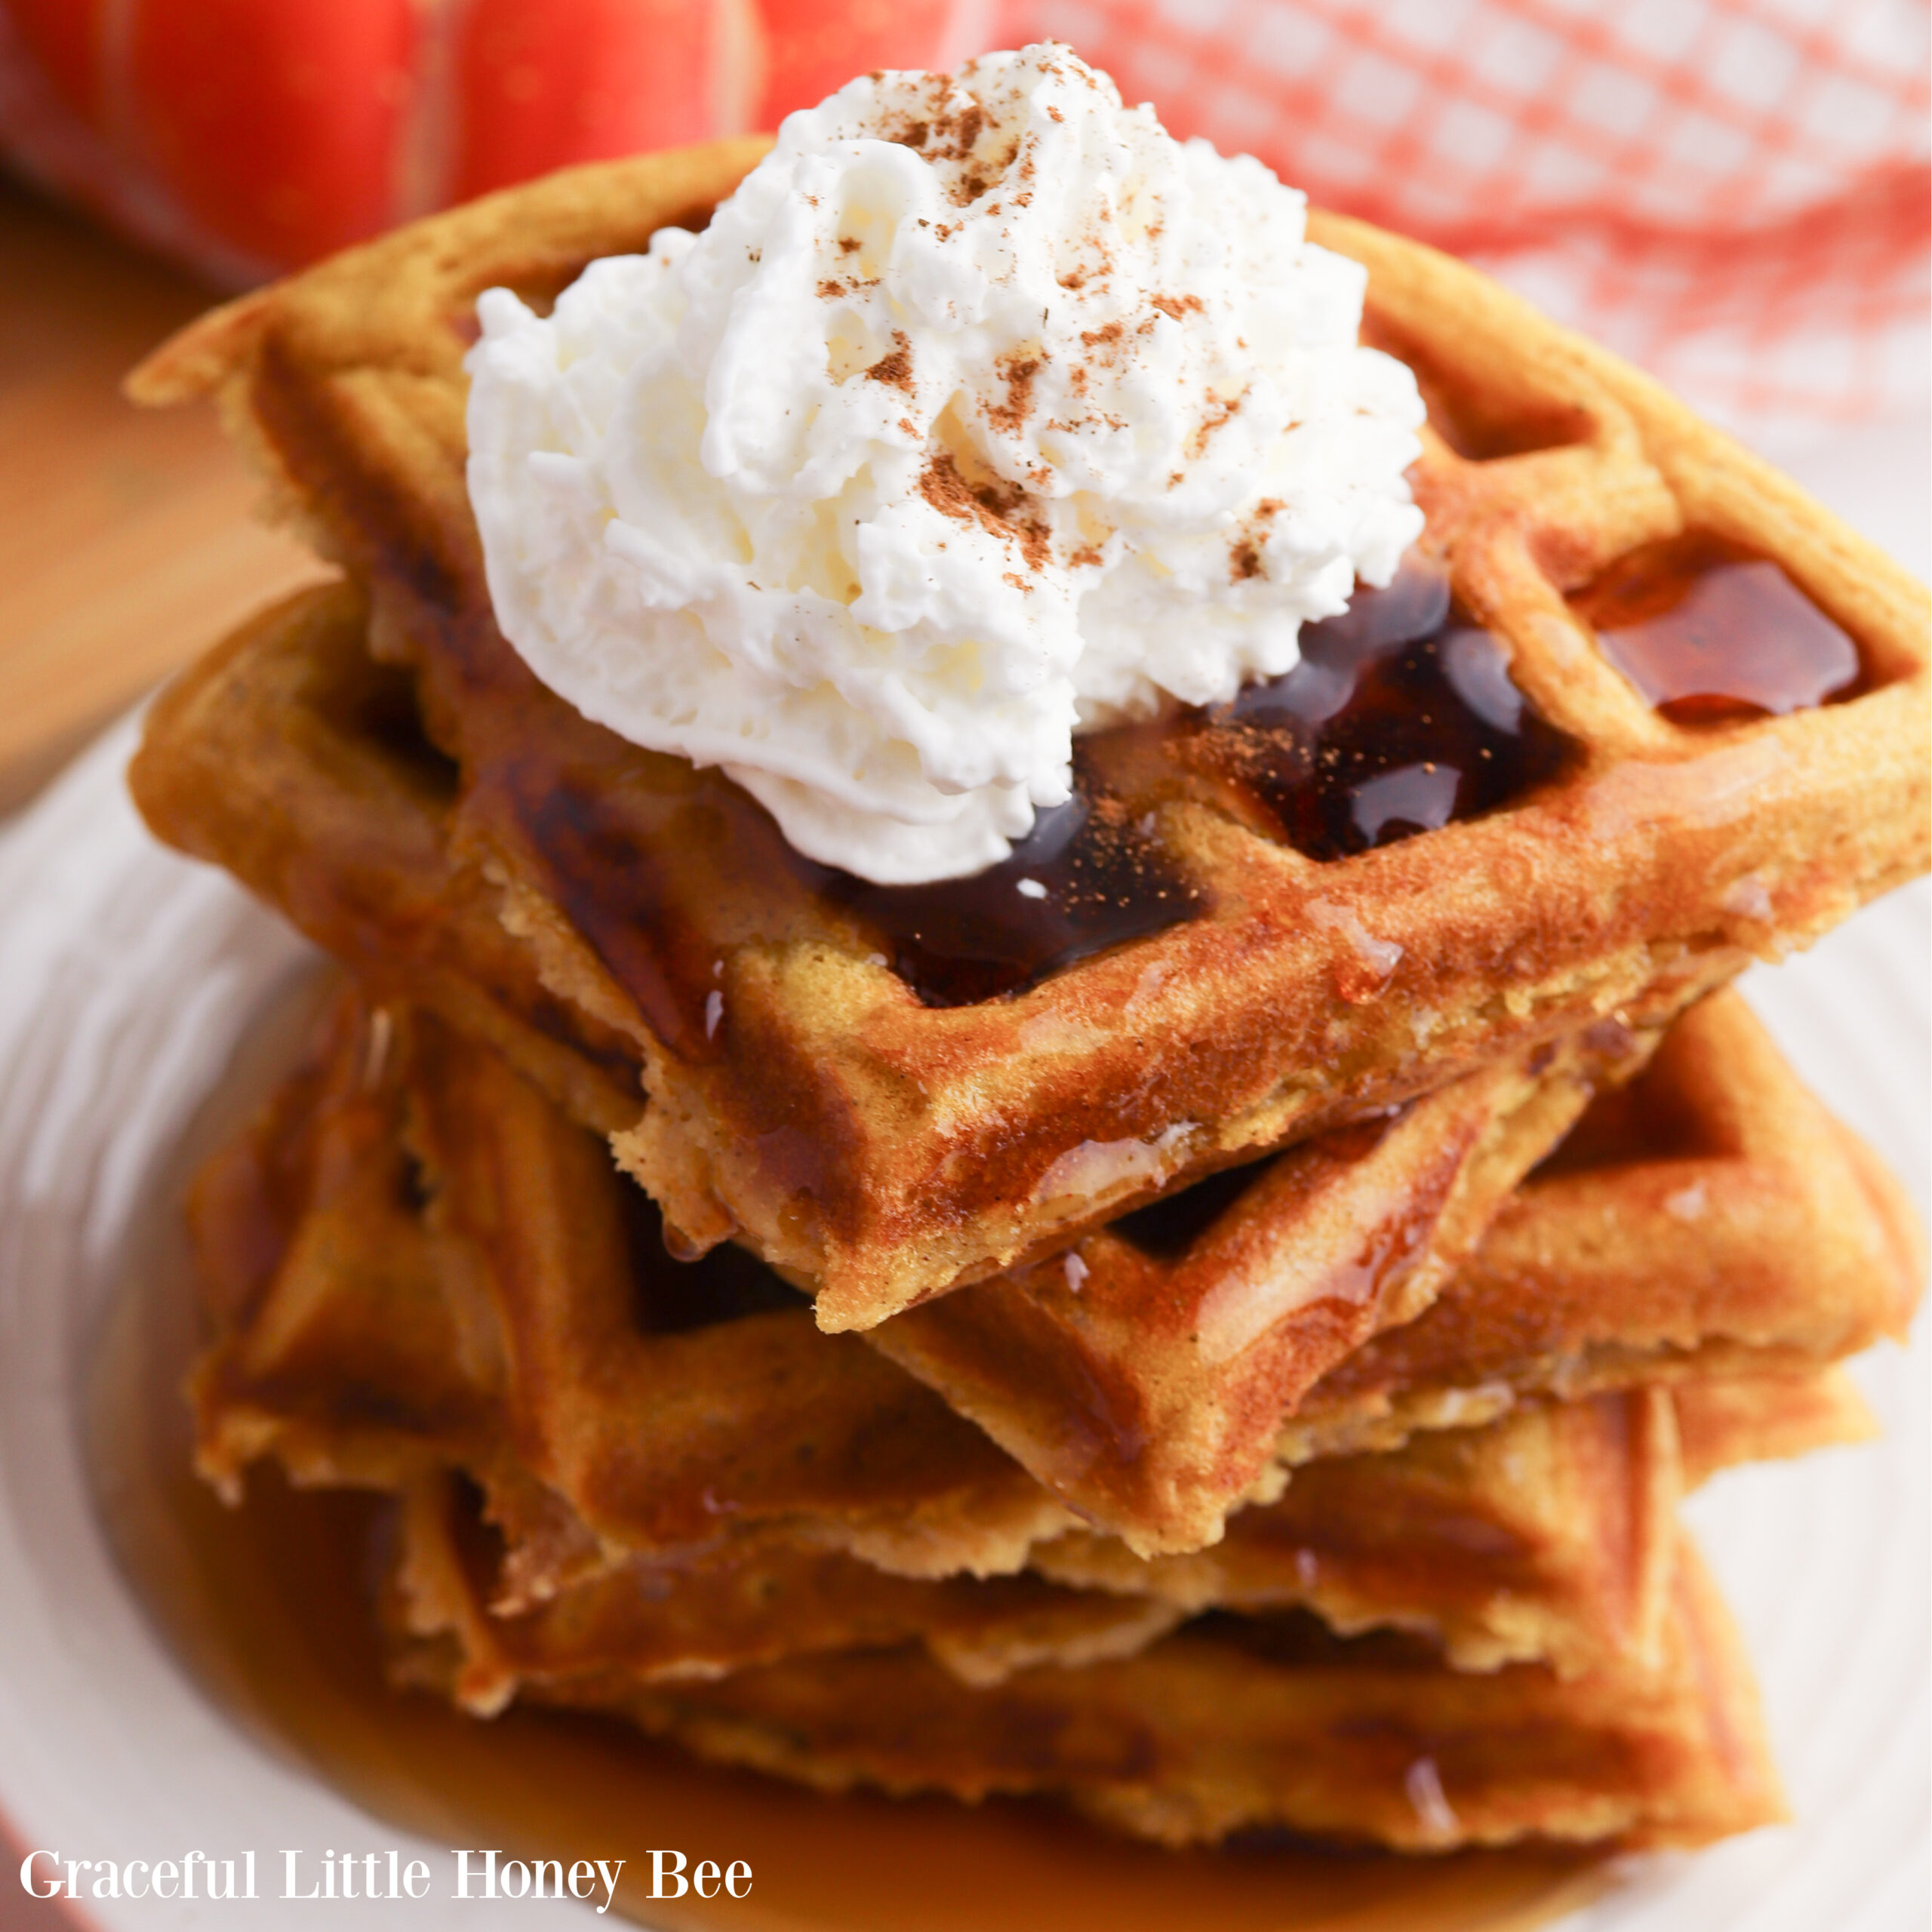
[(1146, 1388), (422, 1280), (880, 1151), (463, 1282), (1229, 1723)]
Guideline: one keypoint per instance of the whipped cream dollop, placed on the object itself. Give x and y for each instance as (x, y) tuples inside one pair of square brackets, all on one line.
[(984, 412)]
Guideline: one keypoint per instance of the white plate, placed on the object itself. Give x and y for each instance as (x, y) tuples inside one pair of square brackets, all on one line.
[(126, 978)]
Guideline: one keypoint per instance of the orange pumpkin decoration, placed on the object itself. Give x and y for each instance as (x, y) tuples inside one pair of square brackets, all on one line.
[(247, 137)]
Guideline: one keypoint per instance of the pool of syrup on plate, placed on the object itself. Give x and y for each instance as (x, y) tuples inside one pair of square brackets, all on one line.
[(266, 1608)]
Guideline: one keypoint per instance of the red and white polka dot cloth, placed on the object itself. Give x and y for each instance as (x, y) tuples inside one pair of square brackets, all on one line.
[(1734, 193)]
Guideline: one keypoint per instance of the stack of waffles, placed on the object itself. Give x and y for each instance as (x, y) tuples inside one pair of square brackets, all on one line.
[(1217, 1336)]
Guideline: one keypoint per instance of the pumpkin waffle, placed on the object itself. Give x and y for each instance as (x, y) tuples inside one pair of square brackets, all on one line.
[(382, 1315), (1669, 1235), (1231, 1723), (338, 811), (1543, 1536), (1712, 1219), (1548, 1536), (746, 1606), (303, 766), (888, 1094), (1190, 1356)]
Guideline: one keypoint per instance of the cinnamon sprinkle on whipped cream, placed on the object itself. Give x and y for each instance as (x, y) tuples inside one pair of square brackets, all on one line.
[(984, 412)]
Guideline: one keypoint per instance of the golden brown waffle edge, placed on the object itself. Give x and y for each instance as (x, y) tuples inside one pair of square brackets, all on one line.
[(486, 1294), (930, 1138)]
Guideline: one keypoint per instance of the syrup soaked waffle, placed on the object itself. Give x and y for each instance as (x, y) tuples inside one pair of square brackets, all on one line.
[(889, 1094), (1188, 1358), (415, 1264), (548, 1348), (340, 814), (1548, 1536), (1231, 1722), (743, 1606)]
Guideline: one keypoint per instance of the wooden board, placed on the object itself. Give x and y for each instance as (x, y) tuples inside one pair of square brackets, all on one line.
[(126, 542)]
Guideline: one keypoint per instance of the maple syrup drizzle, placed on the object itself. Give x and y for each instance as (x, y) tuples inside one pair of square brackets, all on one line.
[(661, 881), (1399, 719), (1088, 876), (672, 1292), (1710, 633)]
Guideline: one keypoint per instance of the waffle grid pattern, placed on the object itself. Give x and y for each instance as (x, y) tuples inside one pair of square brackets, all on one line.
[(1649, 874), (1578, 1499), (509, 1326)]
